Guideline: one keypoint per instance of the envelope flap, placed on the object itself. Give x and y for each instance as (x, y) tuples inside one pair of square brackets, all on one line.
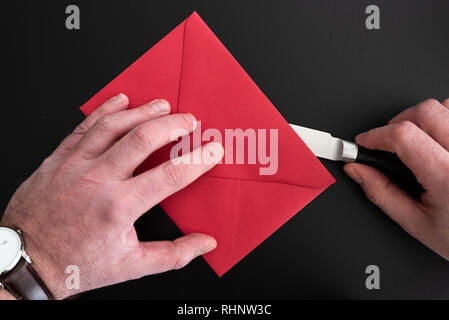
[(218, 91)]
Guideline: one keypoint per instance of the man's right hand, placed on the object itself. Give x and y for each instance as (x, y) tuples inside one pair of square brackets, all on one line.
[(420, 138)]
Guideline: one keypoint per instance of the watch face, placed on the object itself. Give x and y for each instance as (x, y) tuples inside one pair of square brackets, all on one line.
[(10, 248)]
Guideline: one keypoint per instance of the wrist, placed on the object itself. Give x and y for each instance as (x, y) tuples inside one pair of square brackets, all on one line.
[(50, 274), (48, 267), (45, 265)]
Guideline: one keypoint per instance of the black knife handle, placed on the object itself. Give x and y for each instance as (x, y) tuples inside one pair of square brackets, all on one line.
[(389, 164)]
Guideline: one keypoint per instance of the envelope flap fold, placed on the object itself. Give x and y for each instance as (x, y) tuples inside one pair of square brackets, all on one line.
[(218, 91)]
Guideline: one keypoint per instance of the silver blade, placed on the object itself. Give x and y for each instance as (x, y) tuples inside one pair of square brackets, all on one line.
[(323, 145)]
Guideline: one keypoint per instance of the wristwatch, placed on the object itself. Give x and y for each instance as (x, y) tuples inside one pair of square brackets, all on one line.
[(16, 273)]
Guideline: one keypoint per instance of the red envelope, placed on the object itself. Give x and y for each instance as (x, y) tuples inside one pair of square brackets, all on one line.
[(239, 207)]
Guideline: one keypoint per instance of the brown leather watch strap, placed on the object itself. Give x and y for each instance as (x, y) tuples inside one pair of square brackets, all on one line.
[(25, 284)]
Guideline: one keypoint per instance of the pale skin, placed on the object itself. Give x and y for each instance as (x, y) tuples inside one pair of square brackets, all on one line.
[(419, 136), (79, 207)]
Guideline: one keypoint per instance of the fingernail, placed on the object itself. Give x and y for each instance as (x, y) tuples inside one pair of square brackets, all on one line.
[(160, 105), (357, 138), (191, 119), (209, 246), (216, 151), (118, 99), (353, 174)]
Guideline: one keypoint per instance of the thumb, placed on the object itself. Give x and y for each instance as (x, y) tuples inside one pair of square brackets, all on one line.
[(160, 256), (390, 198)]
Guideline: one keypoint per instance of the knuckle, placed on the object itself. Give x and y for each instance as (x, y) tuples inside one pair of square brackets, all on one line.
[(401, 132), (47, 162), (81, 128), (431, 102), (142, 137), (104, 124), (47, 165), (66, 144), (178, 261), (174, 175), (427, 108)]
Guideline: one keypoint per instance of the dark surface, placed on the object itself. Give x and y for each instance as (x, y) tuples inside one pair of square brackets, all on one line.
[(316, 62)]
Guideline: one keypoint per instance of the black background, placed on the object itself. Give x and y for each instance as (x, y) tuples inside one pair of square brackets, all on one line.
[(316, 62)]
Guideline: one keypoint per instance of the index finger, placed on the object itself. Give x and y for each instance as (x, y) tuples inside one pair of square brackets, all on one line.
[(423, 155), (115, 104), (151, 187), (432, 117)]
